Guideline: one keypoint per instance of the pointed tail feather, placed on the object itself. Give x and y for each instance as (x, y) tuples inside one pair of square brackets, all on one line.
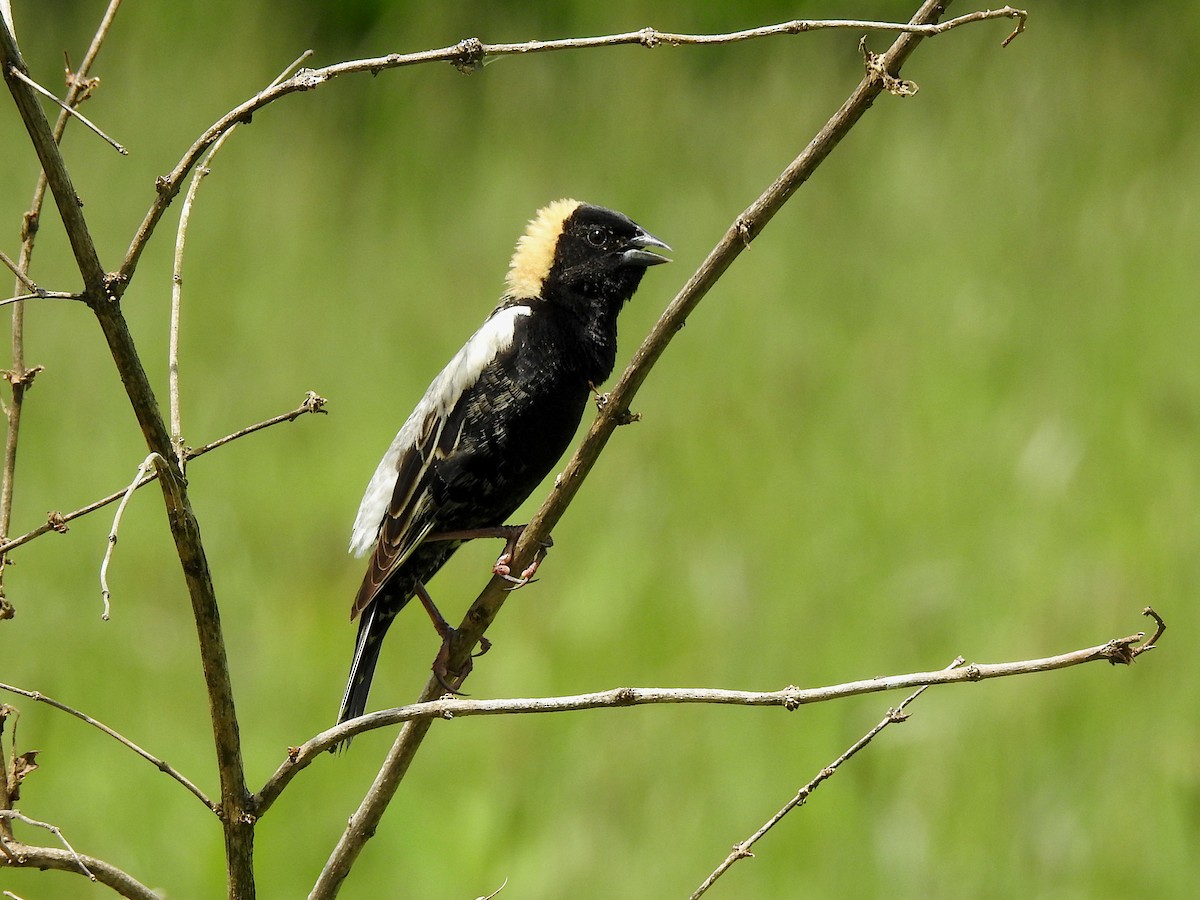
[(371, 629)]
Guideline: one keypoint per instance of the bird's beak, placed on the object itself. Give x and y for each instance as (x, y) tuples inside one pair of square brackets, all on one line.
[(638, 254)]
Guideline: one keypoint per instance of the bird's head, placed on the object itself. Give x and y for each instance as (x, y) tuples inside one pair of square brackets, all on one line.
[(576, 250)]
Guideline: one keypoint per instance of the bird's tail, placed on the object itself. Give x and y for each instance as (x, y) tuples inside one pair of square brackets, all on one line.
[(371, 628)]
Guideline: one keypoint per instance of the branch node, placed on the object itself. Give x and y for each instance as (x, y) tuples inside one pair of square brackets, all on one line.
[(1020, 15), (29, 225), (1120, 651), (468, 57), (22, 379), (877, 71), (791, 702), (81, 85), (744, 228), (314, 403), (624, 417), (973, 672), (649, 38)]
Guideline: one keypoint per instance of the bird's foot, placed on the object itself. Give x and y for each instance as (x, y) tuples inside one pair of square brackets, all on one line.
[(503, 566), (441, 665), (450, 681)]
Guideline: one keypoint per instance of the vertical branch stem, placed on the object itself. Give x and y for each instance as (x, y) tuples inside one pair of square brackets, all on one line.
[(235, 807), (19, 376)]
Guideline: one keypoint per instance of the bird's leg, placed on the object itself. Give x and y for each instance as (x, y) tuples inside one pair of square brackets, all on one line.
[(511, 534), (441, 662)]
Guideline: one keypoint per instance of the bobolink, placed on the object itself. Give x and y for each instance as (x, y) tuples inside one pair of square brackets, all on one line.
[(497, 418)]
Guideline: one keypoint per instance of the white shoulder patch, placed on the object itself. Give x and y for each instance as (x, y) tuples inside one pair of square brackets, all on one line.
[(493, 338)]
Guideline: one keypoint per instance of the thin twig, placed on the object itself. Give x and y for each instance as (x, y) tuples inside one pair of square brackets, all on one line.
[(17, 73), (54, 830), (469, 54), (742, 850), (41, 295), (159, 764), (177, 275), (105, 593), (1119, 650), (313, 403), (16, 270)]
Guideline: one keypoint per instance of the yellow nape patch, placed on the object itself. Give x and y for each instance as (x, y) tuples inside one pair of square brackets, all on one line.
[(535, 249)]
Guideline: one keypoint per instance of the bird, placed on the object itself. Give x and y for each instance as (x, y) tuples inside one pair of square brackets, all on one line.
[(496, 419)]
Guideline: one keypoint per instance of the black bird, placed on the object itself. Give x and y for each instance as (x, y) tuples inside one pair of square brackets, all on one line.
[(497, 418)]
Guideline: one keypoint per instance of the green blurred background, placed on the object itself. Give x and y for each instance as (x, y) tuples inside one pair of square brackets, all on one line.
[(949, 403)]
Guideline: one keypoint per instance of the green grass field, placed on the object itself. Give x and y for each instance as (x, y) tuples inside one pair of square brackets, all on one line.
[(948, 403)]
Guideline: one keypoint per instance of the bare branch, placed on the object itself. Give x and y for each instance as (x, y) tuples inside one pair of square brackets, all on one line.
[(22, 278), (742, 850), (313, 403), (20, 855), (41, 295), (44, 142), (1119, 650), (17, 73), (78, 87), (105, 593), (54, 830), (469, 54), (177, 276), (159, 764)]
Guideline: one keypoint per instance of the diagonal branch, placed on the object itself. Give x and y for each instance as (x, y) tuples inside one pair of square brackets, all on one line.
[(1117, 651), (742, 850), (161, 765), (365, 820)]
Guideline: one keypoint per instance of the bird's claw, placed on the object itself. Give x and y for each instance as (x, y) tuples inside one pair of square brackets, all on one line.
[(441, 665), (441, 669), (503, 563)]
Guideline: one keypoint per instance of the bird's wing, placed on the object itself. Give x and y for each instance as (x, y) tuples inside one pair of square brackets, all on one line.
[(398, 509)]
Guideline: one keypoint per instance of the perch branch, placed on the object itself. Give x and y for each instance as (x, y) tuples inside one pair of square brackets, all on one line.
[(469, 54), (1119, 650), (313, 403), (742, 850), (365, 820), (159, 764)]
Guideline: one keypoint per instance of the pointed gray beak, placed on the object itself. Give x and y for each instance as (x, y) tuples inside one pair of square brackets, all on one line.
[(639, 254)]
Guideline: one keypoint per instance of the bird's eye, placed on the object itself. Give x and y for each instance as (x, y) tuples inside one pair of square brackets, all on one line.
[(596, 237)]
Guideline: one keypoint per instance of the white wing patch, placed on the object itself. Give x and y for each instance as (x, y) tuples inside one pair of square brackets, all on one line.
[(493, 338)]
